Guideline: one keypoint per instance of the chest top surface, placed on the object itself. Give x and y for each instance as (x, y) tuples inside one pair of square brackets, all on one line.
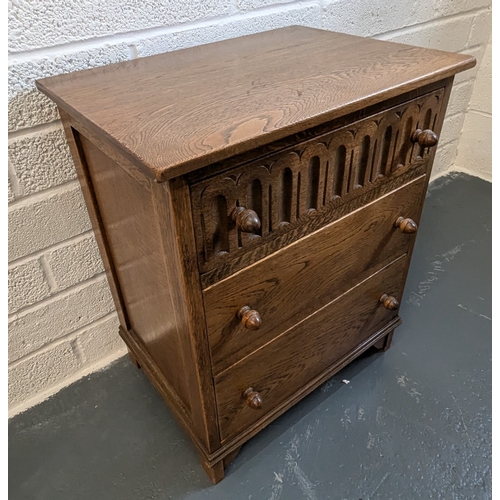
[(180, 111)]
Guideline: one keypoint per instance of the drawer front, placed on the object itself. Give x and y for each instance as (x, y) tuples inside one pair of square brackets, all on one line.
[(250, 308), (279, 369), (248, 205)]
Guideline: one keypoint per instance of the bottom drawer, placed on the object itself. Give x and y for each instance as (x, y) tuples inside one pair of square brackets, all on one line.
[(280, 368)]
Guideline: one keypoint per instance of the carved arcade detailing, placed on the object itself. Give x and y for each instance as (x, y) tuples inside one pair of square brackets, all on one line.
[(285, 188)]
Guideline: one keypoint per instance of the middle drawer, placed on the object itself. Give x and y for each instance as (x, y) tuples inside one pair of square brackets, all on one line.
[(251, 307)]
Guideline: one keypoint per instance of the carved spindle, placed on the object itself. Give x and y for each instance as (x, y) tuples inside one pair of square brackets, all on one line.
[(389, 302), (250, 318), (407, 226), (252, 399), (246, 219), (425, 138)]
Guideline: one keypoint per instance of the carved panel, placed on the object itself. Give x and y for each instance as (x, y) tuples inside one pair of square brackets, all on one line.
[(287, 187)]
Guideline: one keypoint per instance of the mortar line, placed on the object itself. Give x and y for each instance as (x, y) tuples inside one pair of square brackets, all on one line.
[(431, 22), (55, 388), (51, 280), (447, 143), (473, 47), (77, 350), (461, 84), (138, 35), (55, 246), (34, 129), (486, 114), (59, 340), (24, 311), (14, 181), (133, 51), (463, 170), (42, 195), (455, 114)]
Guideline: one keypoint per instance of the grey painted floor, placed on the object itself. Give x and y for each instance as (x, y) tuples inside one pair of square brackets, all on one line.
[(413, 423)]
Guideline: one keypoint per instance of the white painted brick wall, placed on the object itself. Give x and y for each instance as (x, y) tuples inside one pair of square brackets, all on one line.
[(62, 324), (475, 147), (60, 315), (27, 285), (74, 262), (41, 160), (27, 106), (41, 220)]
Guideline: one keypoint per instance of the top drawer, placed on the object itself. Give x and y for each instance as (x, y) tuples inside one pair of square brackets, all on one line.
[(294, 191)]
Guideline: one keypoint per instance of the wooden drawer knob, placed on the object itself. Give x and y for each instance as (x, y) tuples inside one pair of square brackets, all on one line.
[(425, 138), (389, 302), (246, 219), (252, 399), (407, 226), (250, 318)]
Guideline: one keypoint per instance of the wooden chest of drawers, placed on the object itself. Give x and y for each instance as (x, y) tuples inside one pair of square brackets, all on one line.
[(256, 203)]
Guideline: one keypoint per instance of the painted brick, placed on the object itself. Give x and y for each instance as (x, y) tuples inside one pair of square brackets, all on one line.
[(231, 28), (481, 97), (41, 160), (35, 328), (452, 127), (41, 23), (480, 29), (101, 340), (377, 16), (27, 285), (30, 107), (245, 5), (474, 149), (36, 225), (475, 153), (449, 7), (37, 373), (459, 98), (445, 157), (11, 196), (27, 106), (74, 263), (470, 74), (447, 34)]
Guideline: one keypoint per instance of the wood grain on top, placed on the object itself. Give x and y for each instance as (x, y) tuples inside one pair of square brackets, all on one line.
[(176, 112)]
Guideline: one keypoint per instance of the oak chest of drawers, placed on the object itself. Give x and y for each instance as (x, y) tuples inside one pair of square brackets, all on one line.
[(256, 203)]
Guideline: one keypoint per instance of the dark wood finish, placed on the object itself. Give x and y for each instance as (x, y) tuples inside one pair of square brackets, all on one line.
[(425, 138), (266, 96), (290, 187), (389, 302), (216, 471), (137, 240), (323, 128), (246, 220), (250, 319), (179, 255), (385, 342), (252, 398), (406, 225), (228, 448), (279, 368), (228, 459), (86, 184), (133, 359), (312, 223), (363, 243), (255, 207)]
